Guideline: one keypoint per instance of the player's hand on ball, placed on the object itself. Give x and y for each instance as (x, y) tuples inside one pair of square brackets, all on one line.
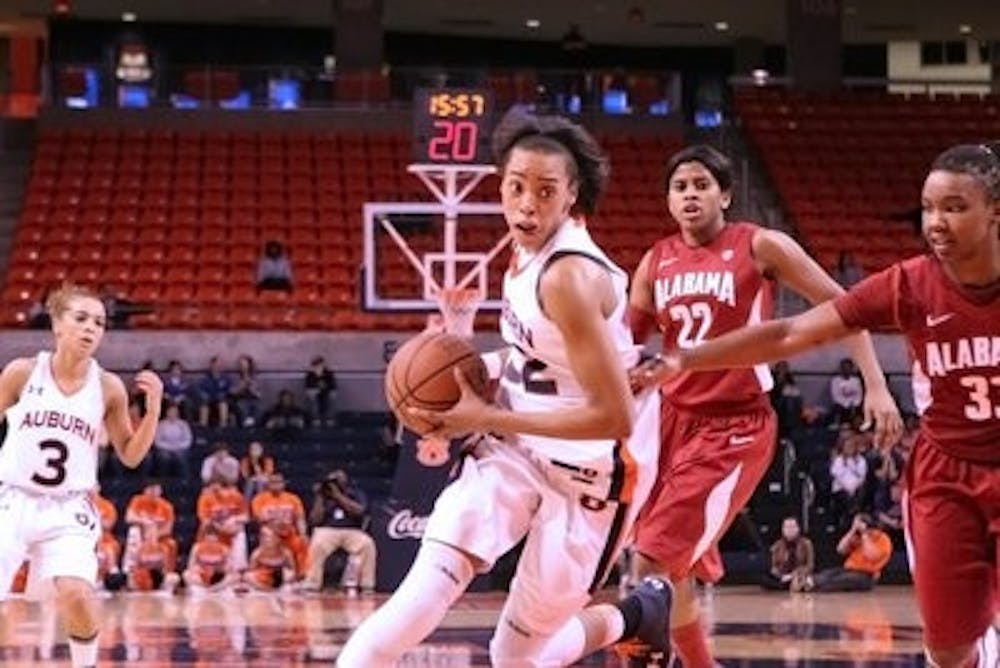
[(149, 384), (881, 409), (465, 417)]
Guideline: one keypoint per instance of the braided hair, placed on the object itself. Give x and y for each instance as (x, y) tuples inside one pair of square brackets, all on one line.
[(980, 161)]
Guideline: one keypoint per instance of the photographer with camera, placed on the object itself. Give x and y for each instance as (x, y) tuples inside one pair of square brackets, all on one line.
[(338, 516), (867, 548)]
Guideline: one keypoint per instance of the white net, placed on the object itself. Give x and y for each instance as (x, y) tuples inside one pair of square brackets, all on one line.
[(458, 311)]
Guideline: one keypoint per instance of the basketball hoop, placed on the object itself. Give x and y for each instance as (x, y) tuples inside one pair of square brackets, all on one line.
[(458, 310)]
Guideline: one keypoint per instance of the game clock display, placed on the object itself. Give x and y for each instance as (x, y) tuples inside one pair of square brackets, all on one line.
[(452, 126)]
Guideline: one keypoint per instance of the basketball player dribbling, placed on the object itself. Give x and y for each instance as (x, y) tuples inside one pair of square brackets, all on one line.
[(719, 431), (947, 305), (55, 404), (570, 456)]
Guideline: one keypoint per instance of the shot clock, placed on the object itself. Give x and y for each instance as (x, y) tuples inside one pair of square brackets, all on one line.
[(452, 126)]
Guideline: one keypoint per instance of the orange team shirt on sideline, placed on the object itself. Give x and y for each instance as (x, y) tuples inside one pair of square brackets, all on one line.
[(158, 509), (285, 509), (857, 561), (220, 506)]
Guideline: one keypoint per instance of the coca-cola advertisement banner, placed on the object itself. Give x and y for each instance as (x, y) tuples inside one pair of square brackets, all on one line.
[(397, 528)]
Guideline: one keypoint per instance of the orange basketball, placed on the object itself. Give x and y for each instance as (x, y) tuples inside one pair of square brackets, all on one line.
[(421, 375)]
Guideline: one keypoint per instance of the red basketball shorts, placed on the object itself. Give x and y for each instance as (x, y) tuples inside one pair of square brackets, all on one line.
[(709, 468), (952, 513)]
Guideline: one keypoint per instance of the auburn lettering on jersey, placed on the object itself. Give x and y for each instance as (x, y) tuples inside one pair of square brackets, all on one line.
[(59, 420)]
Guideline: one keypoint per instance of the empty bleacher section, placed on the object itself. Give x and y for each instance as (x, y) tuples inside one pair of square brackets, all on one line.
[(177, 218), (849, 166)]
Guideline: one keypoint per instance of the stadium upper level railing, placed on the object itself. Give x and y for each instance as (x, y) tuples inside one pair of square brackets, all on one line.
[(140, 85)]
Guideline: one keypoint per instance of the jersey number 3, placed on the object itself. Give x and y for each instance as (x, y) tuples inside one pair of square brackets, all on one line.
[(981, 408), (56, 463), (691, 316)]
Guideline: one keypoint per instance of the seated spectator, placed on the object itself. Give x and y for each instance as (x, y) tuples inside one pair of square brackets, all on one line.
[(172, 444), (338, 517), (255, 469), (283, 513), (286, 414), (220, 465), (213, 391), (786, 398), (209, 566), (321, 388), (177, 390), (223, 510), (867, 549), (246, 391), (848, 472), (272, 565), (149, 508), (848, 270), (887, 467), (38, 315), (889, 512), (847, 394), (274, 270), (152, 566), (791, 557)]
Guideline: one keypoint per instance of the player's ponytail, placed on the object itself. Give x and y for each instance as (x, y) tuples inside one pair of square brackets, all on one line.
[(980, 161), (588, 165)]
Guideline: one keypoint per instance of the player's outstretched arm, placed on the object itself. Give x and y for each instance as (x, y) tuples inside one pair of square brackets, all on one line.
[(131, 446), (12, 380), (781, 257), (767, 342)]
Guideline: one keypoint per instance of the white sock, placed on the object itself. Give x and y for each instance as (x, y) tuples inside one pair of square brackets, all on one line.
[(989, 649), (436, 579), (569, 644), (83, 653)]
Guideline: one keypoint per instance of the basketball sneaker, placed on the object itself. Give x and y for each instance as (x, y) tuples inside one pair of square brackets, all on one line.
[(650, 647)]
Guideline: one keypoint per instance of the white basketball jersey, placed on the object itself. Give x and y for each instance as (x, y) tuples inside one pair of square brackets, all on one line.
[(538, 376), (52, 439)]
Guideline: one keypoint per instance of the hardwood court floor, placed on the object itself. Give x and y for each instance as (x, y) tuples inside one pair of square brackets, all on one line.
[(749, 628)]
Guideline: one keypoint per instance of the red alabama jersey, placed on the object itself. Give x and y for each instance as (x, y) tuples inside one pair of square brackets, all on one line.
[(954, 337), (700, 293)]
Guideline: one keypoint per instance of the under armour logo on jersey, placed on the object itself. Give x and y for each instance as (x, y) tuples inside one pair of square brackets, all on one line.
[(34, 389)]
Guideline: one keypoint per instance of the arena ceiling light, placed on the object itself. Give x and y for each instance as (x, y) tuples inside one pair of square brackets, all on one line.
[(532, 24), (965, 29), (722, 26), (129, 17)]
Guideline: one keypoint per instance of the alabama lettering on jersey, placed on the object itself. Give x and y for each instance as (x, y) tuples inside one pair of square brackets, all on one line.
[(52, 438), (700, 293), (537, 375), (953, 334)]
